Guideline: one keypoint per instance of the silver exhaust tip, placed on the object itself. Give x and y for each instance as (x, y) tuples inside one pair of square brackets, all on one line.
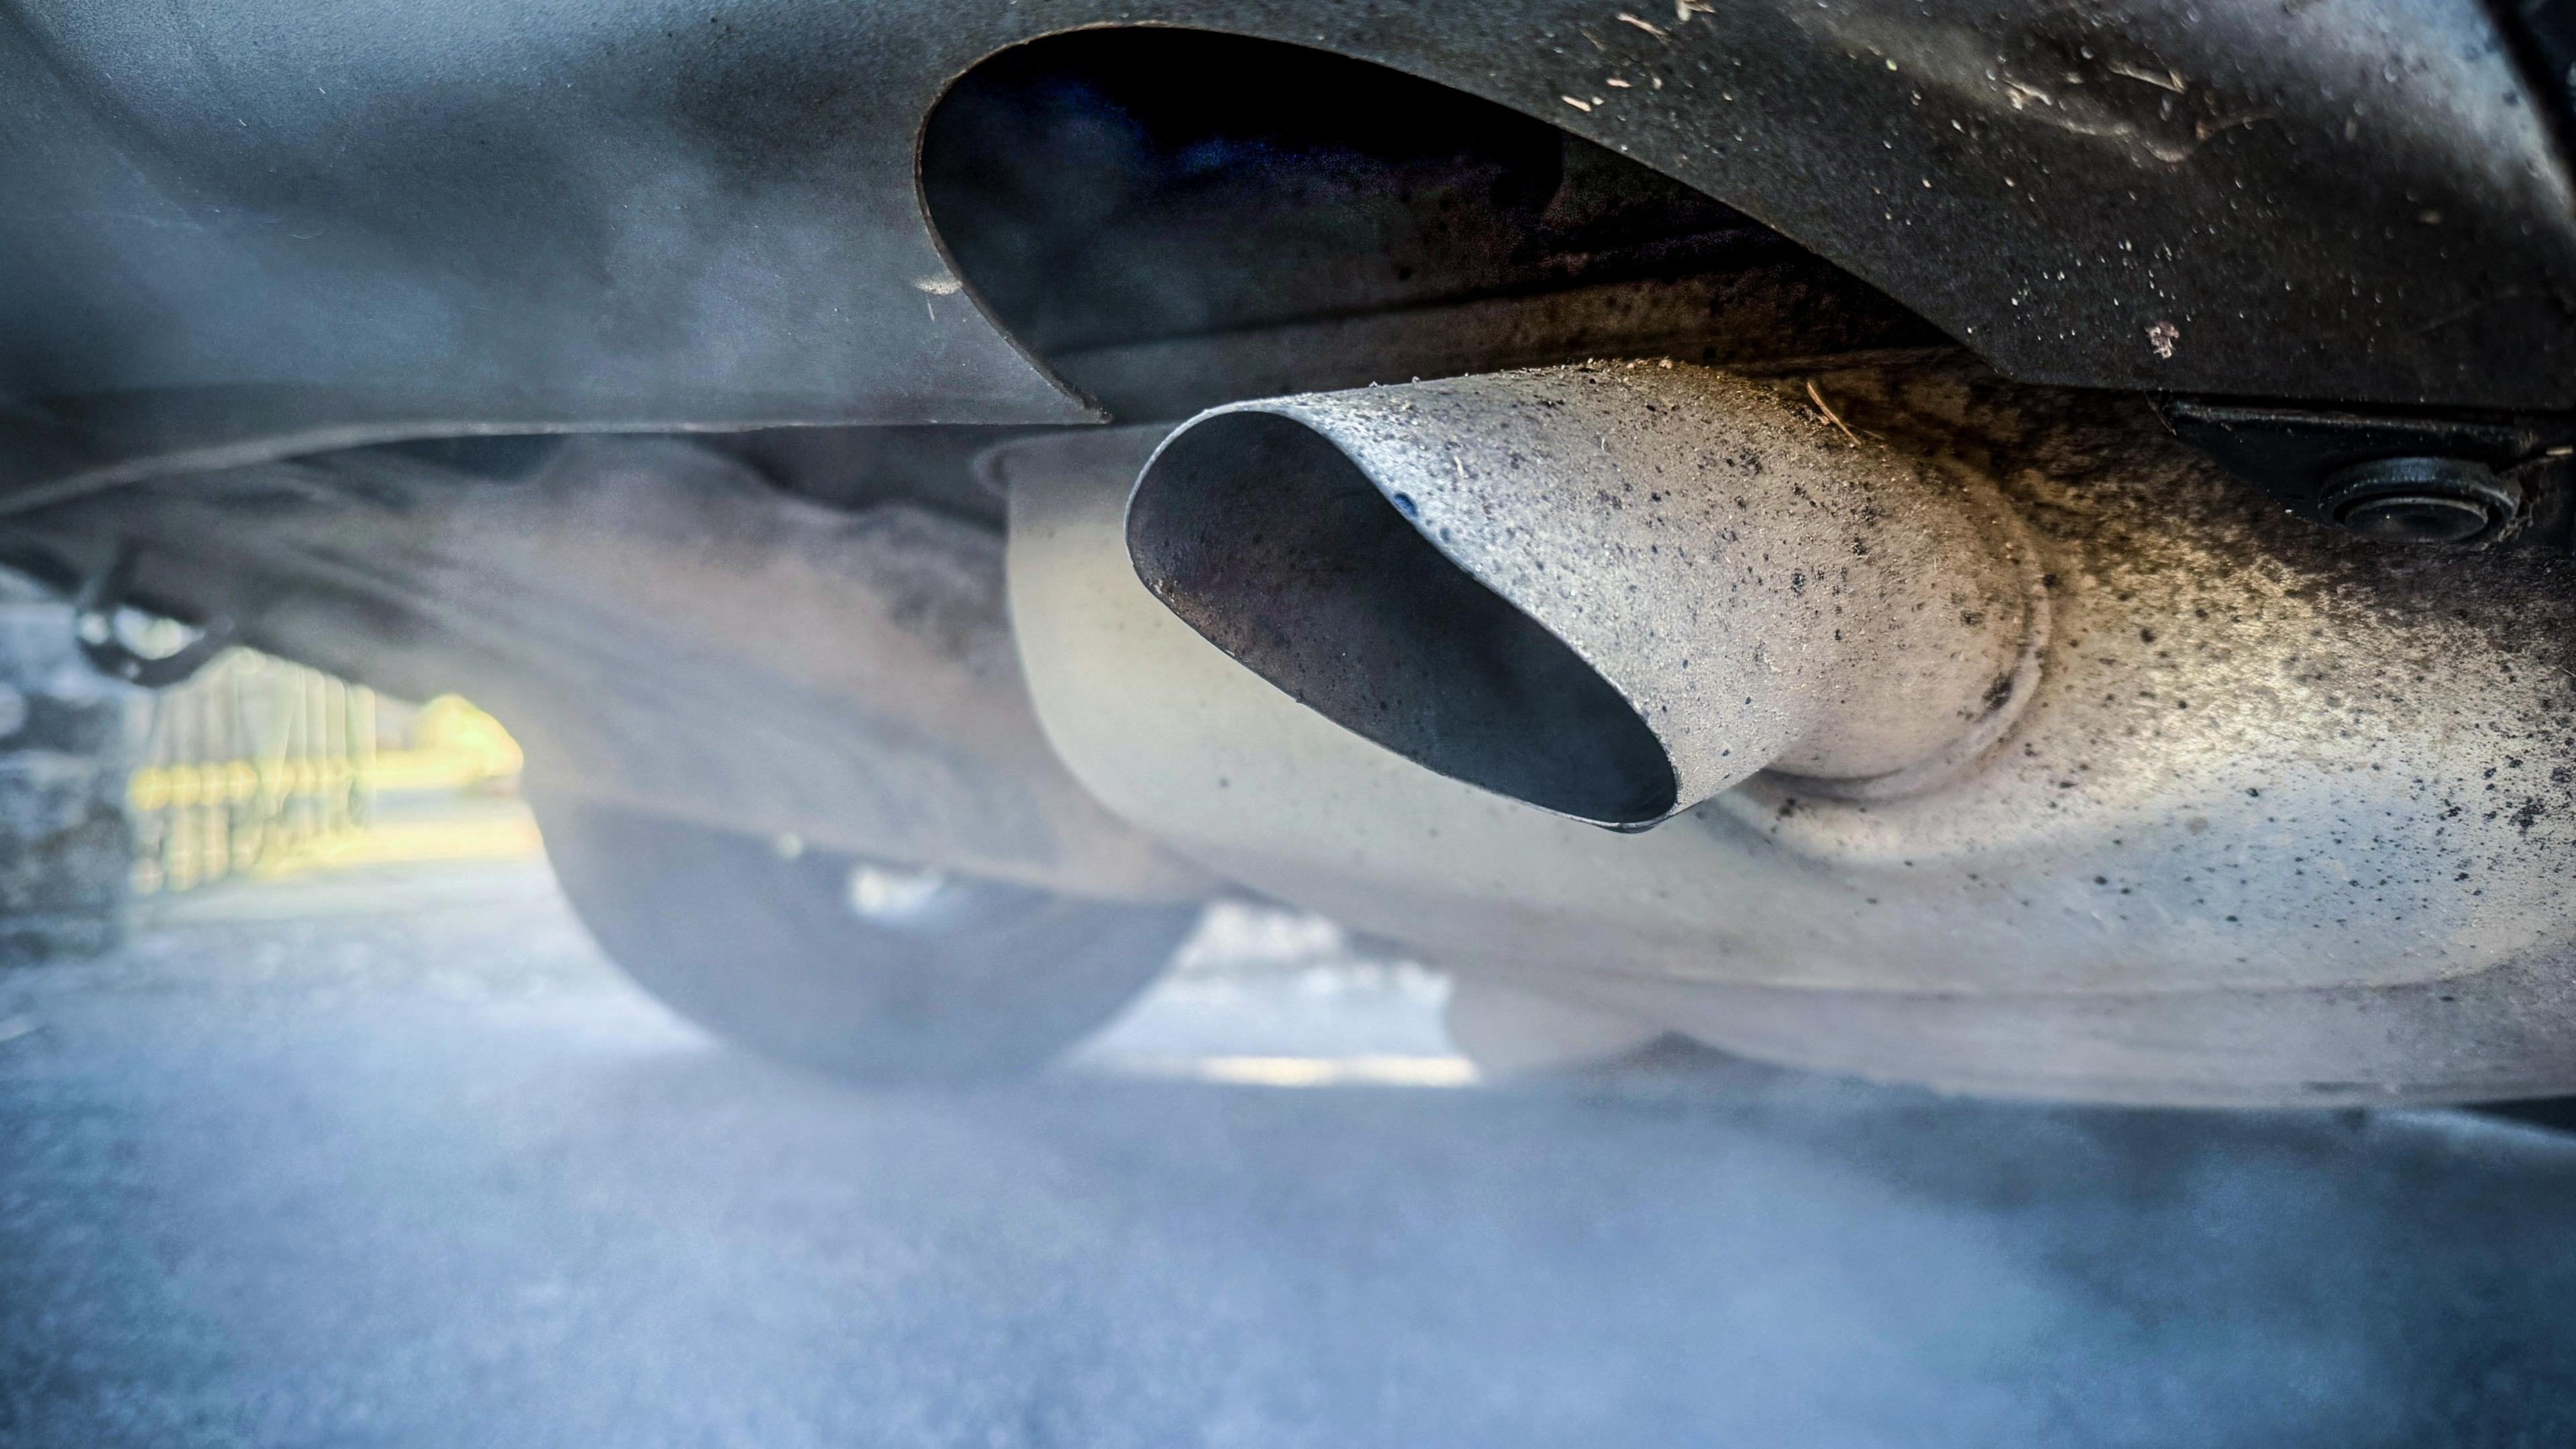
[(1609, 591)]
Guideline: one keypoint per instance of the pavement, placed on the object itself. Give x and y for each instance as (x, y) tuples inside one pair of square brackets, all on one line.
[(391, 1157)]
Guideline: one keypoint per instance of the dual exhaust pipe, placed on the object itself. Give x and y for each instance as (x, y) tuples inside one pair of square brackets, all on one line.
[(1611, 591)]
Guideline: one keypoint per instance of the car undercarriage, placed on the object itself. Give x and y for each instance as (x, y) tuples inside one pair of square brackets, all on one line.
[(2026, 551)]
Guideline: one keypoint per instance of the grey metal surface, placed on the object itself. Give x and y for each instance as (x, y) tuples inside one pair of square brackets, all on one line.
[(662, 629), (436, 1177), (1455, 569), (265, 228), (2287, 821)]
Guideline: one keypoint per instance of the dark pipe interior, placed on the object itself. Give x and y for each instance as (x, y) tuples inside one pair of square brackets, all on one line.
[(1272, 544), (1111, 185), (1167, 189)]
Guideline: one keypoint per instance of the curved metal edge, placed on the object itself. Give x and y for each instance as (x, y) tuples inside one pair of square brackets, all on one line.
[(1962, 155), (1758, 799)]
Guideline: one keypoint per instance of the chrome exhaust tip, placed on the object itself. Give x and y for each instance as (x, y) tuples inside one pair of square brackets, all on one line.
[(1609, 591)]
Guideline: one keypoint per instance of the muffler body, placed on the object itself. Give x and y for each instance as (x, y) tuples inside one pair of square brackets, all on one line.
[(2279, 822)]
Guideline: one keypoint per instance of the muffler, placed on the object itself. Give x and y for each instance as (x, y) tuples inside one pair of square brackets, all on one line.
[(2234, 849), (1610, 591)]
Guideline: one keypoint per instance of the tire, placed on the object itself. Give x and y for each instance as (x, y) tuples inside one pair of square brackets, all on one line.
[(836, 965)]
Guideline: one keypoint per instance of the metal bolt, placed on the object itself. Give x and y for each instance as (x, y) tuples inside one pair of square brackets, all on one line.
[(2420, 500)]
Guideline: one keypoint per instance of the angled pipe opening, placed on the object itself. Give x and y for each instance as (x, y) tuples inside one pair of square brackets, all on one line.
[(1267, 539)]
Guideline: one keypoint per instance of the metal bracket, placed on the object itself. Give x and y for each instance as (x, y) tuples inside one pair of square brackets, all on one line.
[(2314, 461)]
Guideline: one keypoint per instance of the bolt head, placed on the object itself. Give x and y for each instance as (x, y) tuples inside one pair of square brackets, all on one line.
[(2421, 500)]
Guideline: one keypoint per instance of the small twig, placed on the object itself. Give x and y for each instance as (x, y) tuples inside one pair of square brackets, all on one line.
[(2171, 80), (1831, 416), (2209, 130)]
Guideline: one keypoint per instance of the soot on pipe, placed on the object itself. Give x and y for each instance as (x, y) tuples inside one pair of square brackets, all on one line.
[(1610, 591)]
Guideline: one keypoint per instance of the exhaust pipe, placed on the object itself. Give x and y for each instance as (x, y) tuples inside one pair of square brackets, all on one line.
[(1610, 591)]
